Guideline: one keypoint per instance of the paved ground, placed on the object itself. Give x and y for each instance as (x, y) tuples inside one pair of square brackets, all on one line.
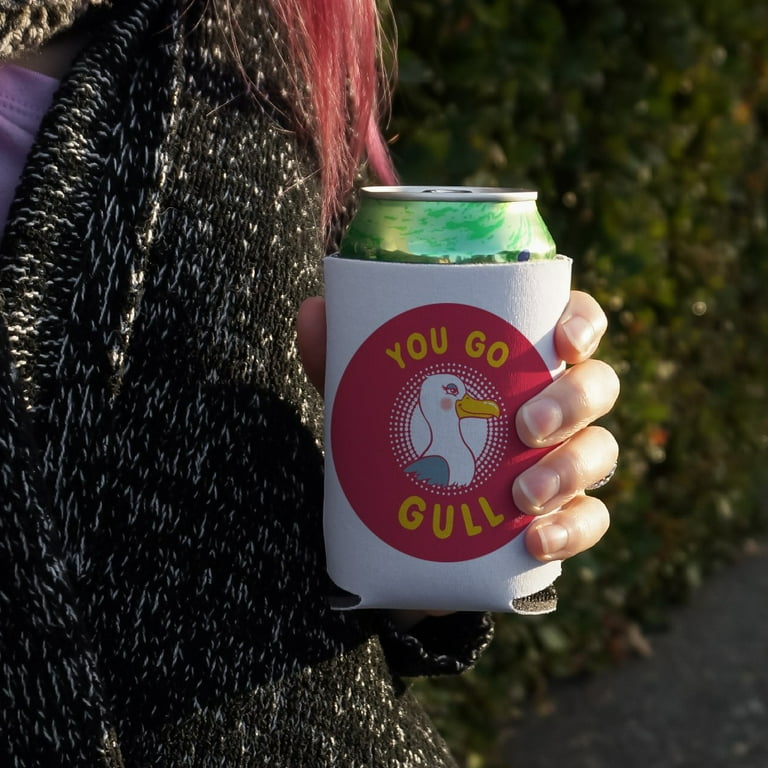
[(700, 701)]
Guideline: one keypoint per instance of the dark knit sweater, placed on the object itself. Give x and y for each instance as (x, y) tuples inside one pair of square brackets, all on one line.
[(162, 584)]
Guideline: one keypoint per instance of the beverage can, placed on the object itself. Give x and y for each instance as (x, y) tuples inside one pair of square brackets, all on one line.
[(426, 369), (448, 225)]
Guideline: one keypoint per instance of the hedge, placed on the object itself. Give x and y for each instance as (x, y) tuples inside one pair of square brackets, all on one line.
[(644, 127)]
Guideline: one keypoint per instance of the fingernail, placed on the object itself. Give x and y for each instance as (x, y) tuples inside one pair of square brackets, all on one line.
[(581, 333), (553, 538), (543, 417), (539, 485)]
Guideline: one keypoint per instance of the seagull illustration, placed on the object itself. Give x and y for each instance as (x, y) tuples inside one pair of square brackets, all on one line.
[(447, 459)]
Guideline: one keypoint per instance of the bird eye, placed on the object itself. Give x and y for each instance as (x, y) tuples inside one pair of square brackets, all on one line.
[(451, 389)]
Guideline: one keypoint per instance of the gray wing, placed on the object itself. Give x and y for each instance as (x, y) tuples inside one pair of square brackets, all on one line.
[(430, 469)]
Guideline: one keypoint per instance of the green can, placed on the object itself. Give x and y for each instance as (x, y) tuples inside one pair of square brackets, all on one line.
[(448, 225)]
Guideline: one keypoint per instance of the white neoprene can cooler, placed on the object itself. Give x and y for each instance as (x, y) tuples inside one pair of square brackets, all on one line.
[(426, 368)]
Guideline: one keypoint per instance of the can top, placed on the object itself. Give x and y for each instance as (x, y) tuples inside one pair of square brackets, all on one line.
[(447, 225), (451, 194)]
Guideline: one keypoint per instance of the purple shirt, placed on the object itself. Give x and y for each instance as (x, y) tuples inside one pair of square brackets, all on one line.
[(24, 98)]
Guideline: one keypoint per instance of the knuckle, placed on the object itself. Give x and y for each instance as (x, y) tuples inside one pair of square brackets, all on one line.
[(609, 444), (580, 389), (588, 523), (594, 521), (606, 372), (598, 386)]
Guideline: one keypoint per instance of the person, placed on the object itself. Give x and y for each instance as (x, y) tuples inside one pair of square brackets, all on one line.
[(163, 597)]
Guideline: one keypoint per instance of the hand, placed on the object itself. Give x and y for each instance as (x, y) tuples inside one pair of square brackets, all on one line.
[(562, 413), (310, 340)]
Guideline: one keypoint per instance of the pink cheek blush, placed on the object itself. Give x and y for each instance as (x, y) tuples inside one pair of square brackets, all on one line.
[(446, 403)]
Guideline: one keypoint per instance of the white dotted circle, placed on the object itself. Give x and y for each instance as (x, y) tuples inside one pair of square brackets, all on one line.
[(488, 443)]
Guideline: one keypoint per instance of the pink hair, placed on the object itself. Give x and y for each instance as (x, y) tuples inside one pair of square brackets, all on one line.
[(336, 48)]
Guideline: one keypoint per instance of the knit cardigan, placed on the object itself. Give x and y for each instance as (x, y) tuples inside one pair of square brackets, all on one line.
[(163, 596)]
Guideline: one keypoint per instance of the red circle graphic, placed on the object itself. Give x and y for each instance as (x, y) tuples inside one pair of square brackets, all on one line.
[(422, 430)]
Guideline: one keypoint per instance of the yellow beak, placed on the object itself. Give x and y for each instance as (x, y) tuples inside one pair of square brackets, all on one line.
[(469, 408)]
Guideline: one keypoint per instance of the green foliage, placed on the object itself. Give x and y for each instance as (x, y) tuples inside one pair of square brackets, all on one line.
[(644, 126)]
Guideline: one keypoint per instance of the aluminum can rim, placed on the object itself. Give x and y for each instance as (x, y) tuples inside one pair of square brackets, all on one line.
[(450, 194)]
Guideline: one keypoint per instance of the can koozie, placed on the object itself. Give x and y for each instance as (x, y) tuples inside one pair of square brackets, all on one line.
[(426, 368)]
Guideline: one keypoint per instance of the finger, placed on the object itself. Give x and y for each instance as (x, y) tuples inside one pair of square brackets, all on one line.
[(580, 328), (582, 394), (575, 528), (566, 471), (310, 339)]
